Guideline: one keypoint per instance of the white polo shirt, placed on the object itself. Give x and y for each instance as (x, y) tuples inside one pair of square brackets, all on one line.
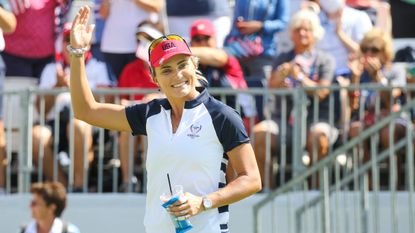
[(194, 156)]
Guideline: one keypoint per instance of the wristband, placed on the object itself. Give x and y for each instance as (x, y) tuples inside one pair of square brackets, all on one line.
[(77, 52)]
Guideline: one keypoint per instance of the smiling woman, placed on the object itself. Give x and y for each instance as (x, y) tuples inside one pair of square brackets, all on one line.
[(191, 136)]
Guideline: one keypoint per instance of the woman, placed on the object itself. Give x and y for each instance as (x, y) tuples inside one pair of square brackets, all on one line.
[(191, 136), (303, 66), (48, 203), (374, 65)]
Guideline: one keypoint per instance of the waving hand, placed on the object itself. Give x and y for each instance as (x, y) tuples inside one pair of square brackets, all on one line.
[(81, 32)]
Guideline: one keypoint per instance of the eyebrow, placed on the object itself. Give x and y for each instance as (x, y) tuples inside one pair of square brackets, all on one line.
[(178, 63)]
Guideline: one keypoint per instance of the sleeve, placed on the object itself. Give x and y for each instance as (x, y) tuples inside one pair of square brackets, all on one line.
[(229, 128), (327, 67), (279, 19), (137, 118), (234, 73)]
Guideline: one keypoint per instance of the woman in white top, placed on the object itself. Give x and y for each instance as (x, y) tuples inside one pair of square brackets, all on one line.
[(191, 136)]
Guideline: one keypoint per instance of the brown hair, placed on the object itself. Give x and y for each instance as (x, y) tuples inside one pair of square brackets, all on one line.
[(51, 193), (384, 39)]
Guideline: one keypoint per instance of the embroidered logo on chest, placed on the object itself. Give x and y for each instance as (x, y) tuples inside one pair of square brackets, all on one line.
[(194, 130)]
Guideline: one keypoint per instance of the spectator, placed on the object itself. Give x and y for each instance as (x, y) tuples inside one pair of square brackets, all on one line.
[(47, 205), (27, 55), (303, 66), (56, 75), (182, 13), (122, 17), (344, 28), (374, 65), (8, 25), (136, 75), (263, 18)]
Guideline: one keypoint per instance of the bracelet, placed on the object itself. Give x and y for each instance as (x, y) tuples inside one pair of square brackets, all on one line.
[(77, 52)]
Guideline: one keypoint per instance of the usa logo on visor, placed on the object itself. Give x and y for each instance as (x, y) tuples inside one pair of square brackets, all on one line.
[(168, 46)]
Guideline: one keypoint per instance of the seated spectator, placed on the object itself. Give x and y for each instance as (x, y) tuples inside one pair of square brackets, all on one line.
[(374, 65), (8, 25), (56, 75), (303, 66), (47, 205), (136, 75)]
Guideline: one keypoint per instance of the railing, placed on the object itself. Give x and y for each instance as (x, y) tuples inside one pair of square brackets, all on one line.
[(107, 158), (20, 159), (327, 208)]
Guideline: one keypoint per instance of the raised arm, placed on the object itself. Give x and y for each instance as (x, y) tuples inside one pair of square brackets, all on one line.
[(210, 56), (84, 106)]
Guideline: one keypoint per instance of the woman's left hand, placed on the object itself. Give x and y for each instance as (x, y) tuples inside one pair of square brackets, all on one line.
[(187, 206)]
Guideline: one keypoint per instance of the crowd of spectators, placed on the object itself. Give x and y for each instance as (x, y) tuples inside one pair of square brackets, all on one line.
[(332, 42)]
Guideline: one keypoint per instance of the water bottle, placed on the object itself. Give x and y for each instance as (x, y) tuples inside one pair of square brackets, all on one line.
[(181, 225)]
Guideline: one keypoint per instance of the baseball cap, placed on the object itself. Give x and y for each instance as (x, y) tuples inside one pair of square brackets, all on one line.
[(202, 27), (165, 47)]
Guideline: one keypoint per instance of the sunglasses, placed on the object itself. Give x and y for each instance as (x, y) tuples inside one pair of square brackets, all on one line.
[(373, 50), (199, 39), (164, 38)]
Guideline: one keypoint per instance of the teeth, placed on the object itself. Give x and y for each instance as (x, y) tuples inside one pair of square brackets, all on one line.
[(179, 85)]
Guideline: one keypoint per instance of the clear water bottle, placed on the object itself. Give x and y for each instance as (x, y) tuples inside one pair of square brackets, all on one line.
[(181, 225)]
